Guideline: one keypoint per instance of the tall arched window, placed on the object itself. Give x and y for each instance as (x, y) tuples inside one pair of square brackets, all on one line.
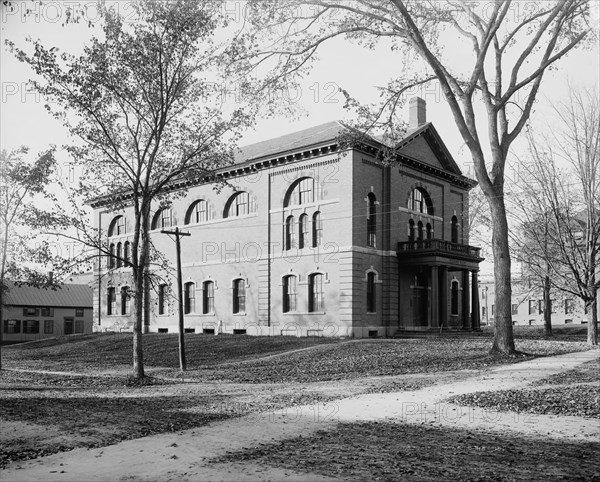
[(125, 301), (197, 212), (126, 253), (420, 233), (315, 292), (454, 298), (162, 299), (372, 220), (411, 231), (240, 204), (300, 192), (454, 230), (420, 201), (239, 295), (371, 294), (429, 231), (208, 297), (317, 229), (117, 226), (111, 301), (290, 233), (303, 231), (111, 257), (162, 219), (189, 298), (119, 255), (289, 293)]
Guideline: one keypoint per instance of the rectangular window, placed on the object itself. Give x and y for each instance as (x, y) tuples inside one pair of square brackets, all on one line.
[(239, 296), (306, 191), (78, 311), (47, 311), (111, 301), (492, 311), (371, 293), (189, 298), (241, 204), (540, 306), (162, 297), (208, 297), (483, 311), (48, 327), (289, 294), (78, 326), (315, 293), (532, 307), (569, 307), (31, 326), (515, 309), (125, 301), (12, 326), (31, 312)]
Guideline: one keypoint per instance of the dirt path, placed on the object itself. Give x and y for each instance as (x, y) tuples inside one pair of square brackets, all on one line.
[(185, 455)]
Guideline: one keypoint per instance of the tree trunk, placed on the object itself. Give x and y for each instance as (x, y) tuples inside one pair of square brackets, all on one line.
[(592, 331), (503, 328), (547, 307), (138, 327)]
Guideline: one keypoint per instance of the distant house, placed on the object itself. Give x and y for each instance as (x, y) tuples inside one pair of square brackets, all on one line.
[(31, 313)]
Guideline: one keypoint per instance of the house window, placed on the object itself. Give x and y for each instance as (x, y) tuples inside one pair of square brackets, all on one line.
[(454, 298), (31, 312), (125, 301), (111, 301), (126, 253), (162, 299), (117, 226), (429, 231), (303, 231), (515, 309), (301, 192), (540, 306), (492, 311), (12, 326), (420, 201), (197, 213), (78, 326), (48, 327), (47, 311), (119, 255), (411, 231), (317, 229), (371, 294), (483, 312), (31, 326), (78, 311), (290, 233), (532, 307), (420, 232), (239, 204), (239, 296), (569, 306), (111, 257), (315, 292), (289, 294), (372, 221), (454, 230), (189, 298), (208, 297), (163, 219)]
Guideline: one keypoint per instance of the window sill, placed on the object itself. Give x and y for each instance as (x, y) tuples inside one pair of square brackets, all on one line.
[(303, 313), (240, 314)]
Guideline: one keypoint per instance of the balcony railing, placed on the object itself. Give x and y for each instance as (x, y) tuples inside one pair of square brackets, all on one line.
[(437, 246)]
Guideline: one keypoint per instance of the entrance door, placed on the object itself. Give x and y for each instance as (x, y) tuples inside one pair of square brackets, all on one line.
[(68, 326), (420, 306)]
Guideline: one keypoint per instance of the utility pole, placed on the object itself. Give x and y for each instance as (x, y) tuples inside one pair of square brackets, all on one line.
[(178, 234)]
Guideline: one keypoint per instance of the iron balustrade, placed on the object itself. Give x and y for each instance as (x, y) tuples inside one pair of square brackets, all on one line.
[(430, 246)]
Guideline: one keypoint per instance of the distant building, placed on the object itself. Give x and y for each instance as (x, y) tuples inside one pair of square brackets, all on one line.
[(310, 238), (31, 313)]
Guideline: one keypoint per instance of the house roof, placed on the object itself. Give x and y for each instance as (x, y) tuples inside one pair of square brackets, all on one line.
[(72, 295)]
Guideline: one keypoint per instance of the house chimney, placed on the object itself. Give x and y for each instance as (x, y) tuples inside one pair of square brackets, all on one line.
[(417, 113)]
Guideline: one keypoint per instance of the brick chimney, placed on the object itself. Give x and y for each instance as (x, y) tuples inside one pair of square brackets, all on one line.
[(417, 112)]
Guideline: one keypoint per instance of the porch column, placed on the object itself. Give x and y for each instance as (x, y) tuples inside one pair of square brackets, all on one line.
[(434, 321), (443, 298), (465, 300), (475, 320)]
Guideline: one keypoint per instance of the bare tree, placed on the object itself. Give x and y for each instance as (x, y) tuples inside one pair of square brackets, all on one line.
[(511, 46)]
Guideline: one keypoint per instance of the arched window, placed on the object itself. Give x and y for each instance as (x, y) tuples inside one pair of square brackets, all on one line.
[(454, 298), (371, 294), (420, 233), (372, 220), (289, 293), (162, 219), (454, 230), (111, 257), (303, 231), (411, 231), (208, 297), (126, 253), (290, 233), (119, 255), (189, 298), (197, 212), (317, 229), (239, 204), (111, 301), (315, 292), (239, 295), (420, 201), (117, 226), (125, 301), (162, 299), (300, 192)]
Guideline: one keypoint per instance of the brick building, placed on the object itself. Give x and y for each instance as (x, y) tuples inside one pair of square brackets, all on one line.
[(310, 238)]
